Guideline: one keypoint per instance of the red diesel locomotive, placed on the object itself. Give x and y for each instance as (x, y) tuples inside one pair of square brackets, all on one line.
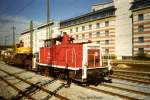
[(82, 60)]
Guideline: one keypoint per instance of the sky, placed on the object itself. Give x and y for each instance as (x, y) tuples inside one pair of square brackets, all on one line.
[(20, 12)]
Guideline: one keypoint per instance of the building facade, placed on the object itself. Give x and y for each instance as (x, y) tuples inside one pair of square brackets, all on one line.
[(25, 38), (113, 27), (98, 26), (141, 27), (123, 29), (39, 35), (120, 27)]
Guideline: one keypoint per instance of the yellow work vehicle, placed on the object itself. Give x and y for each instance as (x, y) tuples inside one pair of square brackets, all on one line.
[(21, 57)]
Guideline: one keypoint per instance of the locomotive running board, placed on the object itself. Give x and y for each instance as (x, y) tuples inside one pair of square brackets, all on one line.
[(56, 66)]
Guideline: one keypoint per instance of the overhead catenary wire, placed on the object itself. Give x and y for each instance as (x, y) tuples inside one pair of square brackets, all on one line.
[(24, 7), (17, 12)]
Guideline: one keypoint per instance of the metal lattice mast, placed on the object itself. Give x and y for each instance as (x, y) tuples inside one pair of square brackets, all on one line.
[(48, 14), (5, 40), (31, 35), (14, 38)]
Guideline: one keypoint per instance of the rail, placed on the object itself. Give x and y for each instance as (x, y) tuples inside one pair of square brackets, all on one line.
[(41, 88)]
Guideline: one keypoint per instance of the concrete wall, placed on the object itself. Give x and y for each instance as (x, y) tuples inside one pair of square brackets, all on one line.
[(123, 28), (39, 35), (26, 39)]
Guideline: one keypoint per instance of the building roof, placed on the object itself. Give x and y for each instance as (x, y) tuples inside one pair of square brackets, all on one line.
[(45, 25), (25, 32), (52, 22), (102, 3), (102, 13), (140, 4)]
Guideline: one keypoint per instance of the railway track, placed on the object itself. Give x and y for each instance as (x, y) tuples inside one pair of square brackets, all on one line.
[(135, 76), (75, 92), (122, 92), (102, 88), (130, 90), (17, 89), (128, 77), (111, 93), (31, 84), (140, 77), (138, 73)]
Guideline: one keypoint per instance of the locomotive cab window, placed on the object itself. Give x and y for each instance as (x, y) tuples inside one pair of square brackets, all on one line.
[(93, 58), (49, 43)]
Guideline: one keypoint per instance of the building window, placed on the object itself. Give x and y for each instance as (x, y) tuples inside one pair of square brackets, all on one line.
[(106, 51), (141, 39), (90, 35), (97, 25), (106, 42), (70, 30), (106, 23), (98, 42), (97, 34), (140, 17), (90, 27), (141, 28), (107, 33), (83, 36), (141, 50), (76, 37), (83, 28), (76, 29)]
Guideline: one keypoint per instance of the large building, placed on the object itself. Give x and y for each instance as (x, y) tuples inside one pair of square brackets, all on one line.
[(112, 26), (141, 27), (120, 27), (98, 26), (39, 35)]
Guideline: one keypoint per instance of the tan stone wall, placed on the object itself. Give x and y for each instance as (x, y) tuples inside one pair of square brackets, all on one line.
[(145, 34)]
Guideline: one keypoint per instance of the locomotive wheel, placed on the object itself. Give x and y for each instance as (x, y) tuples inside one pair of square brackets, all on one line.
[(28, 67), (96, 84), (46, 71), (87, 84), (62, 76)]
